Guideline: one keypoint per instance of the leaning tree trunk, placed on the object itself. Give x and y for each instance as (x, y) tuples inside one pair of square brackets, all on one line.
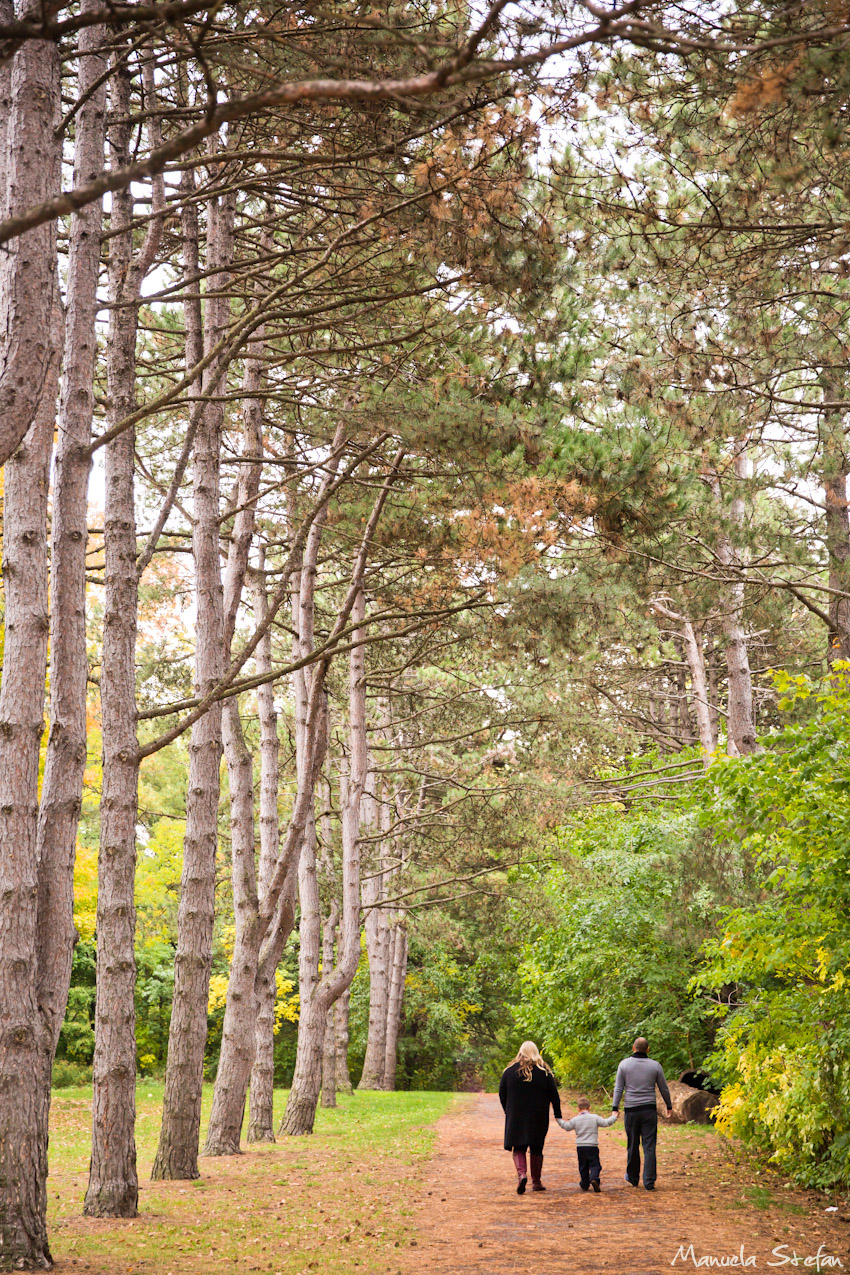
[(741, 730), (237, 1046), (177, 1154), (30, 157), (248, 982), (300, 1113), (113, 1183), (236, 1057), (311, 1021), (26, 1048)]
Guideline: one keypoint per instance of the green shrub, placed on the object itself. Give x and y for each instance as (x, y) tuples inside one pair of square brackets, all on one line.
[(69, 1075), (618, 940), (780, 969)]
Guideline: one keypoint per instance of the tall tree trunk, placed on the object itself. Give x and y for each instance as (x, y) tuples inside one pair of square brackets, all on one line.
[(329, 1047), (177, 1153), (741, 730), (236, 1058), (237, 1046), (30, 156), (696, 667), (26, 1047), (300, 1113), (113, 1183), (328, 887), (376, 925), (261, 1121), (341, 1010), (395, 1005), (65, 759), (237, 1049), (835, 467)]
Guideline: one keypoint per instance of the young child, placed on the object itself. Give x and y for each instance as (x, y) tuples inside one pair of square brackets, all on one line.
[(586, 1127)]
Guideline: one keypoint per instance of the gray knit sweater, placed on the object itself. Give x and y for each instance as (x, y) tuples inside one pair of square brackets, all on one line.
[(637, 1077), (586, 1126)]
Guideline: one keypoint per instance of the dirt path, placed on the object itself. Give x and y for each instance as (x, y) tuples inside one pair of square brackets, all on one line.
[(469, 1218)]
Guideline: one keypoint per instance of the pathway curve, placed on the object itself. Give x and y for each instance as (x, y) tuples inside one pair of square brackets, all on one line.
[(470, 1221)]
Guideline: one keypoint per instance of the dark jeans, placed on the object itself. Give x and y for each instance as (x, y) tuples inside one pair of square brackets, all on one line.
[(533, 1149), (641, 1129), (589, 1166)]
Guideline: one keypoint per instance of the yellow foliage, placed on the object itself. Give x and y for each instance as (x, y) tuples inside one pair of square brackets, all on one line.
[(287, 1002), (85, 892), (286, 999), (218, 993)]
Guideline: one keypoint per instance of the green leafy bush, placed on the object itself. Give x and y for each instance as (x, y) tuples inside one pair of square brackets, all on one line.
[(779, 970), (69, 1075), (615, 941)]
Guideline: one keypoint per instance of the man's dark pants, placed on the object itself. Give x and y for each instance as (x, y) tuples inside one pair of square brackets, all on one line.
[(589, 1166), (641, 1128)]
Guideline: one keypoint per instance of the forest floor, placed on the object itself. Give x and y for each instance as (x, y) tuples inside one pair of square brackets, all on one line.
[(417, 1184), (470, 1221), (337, 1203)]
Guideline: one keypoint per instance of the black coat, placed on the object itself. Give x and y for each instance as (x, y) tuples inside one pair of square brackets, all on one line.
[(526, 1106)]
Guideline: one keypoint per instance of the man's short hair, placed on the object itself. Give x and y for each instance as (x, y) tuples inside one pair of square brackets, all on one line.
[(641, 1043), (584, 1103)]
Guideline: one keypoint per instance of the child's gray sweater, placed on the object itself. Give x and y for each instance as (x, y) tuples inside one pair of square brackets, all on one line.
[(586, 1126)]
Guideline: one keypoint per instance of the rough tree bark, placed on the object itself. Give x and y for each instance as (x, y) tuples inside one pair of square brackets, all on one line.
[(341, 1014), (377, 928), (329, 1045), (261, 1119), (26, 1043), (177, 1153), (65, 758), (328, 889), (398, 974), (237, 1052), (741, 730), (113, 1182), (30, 156)]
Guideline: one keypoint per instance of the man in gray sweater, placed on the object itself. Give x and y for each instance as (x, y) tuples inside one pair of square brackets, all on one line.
[(637, 1078)]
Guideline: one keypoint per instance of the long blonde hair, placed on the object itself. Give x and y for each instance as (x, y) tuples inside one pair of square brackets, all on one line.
[(528, 1058)]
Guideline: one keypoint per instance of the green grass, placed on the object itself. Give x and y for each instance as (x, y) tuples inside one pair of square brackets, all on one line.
[(338, 1201)]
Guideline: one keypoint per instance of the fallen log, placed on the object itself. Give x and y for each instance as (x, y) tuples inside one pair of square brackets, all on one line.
[(689, 1105)]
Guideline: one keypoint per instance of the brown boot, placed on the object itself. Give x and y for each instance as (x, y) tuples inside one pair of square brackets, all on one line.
[(536, 1170), (521, 1170)]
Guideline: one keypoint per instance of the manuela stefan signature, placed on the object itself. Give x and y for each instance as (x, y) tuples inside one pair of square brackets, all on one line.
[(782, 1255)]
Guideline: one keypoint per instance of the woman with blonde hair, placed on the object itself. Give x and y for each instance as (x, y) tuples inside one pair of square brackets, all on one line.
[(526, 1091)]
